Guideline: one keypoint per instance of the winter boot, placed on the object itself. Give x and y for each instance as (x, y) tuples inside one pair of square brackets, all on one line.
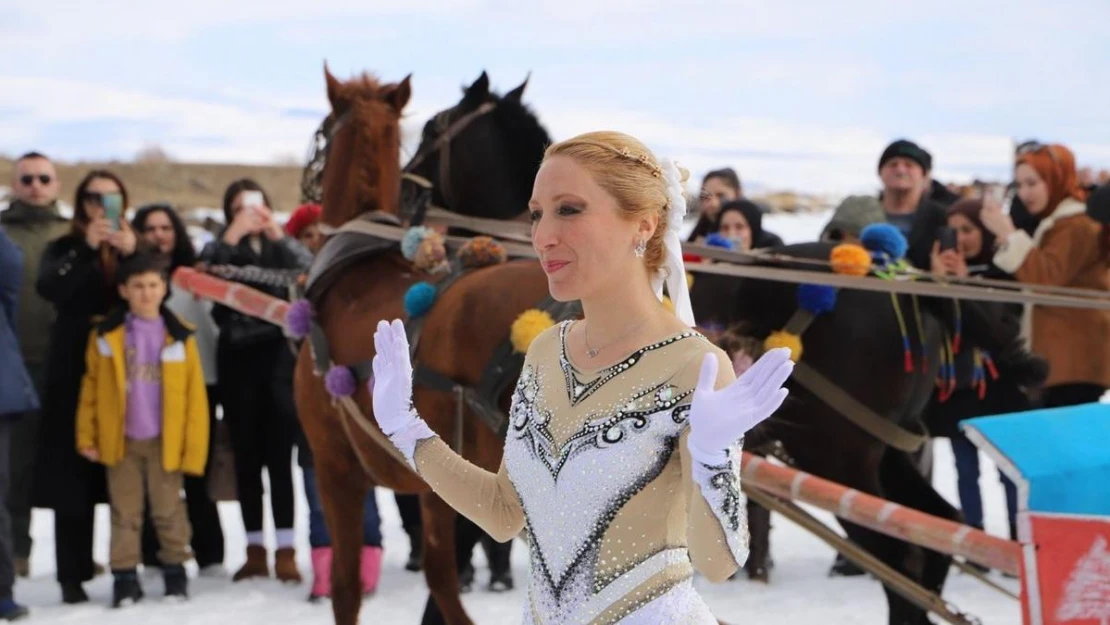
[(370, 569), (255, 566), (416, 554), (177, 583), (285, 565), (500, 572), (126, 589), (22, 567), (11, 611), (321, 574), (73, 592)]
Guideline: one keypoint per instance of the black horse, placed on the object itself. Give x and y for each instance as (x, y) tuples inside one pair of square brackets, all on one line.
[(858, 347), (481, 157)]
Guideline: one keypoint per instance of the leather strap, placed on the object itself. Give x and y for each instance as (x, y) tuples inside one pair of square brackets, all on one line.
[(862, 416)]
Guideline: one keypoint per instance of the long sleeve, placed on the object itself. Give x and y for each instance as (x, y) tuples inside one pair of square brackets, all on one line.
[(293, 254), (715, 526), (218, 252), (86, 405), (1066, 249), (11, 275), (197, 432), (488, 499), (67, 271)]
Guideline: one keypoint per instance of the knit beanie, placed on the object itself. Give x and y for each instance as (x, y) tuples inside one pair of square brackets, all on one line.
[(907, 149)]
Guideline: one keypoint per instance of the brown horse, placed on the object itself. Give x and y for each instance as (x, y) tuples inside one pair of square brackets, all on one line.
[(361, 175)]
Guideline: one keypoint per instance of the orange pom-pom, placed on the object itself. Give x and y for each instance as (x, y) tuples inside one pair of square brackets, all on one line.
[(850, 259), (481, 251)]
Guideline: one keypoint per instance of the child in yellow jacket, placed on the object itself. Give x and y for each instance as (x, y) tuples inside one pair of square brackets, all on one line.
[(143, 413)]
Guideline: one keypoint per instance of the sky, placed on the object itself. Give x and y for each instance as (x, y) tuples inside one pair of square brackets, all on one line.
[(794, 94)]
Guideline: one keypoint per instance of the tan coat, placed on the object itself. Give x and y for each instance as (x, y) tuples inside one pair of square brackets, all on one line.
[(1064, 251)]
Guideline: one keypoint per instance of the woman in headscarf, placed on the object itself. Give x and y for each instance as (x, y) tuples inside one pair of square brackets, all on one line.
[(1067, 248), (741, 221)]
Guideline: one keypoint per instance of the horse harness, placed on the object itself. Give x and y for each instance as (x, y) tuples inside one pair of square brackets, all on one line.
[(373, 234)]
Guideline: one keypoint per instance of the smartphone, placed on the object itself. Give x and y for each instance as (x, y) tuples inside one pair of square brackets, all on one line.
[(947, 239), (252, 199), (113, 209)]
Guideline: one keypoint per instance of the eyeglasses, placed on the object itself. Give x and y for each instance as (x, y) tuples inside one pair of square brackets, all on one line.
[(29, 179)]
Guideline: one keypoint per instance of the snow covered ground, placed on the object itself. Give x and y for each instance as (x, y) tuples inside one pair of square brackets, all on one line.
[(800, 593)]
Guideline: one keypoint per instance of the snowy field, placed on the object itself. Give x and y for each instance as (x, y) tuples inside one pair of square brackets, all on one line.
[(800, 593)]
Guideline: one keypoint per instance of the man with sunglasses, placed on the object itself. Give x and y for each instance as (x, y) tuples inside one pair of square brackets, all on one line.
[(32, 220)]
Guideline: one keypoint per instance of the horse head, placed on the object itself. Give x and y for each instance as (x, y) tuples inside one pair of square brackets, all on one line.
[(363, 146), (481, 155)]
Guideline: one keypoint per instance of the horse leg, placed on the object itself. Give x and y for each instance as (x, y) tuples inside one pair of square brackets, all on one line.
[(904, 484), (342, 494), (444, 605)]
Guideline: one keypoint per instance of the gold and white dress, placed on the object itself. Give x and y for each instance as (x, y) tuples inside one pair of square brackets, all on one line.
[(596, 467)]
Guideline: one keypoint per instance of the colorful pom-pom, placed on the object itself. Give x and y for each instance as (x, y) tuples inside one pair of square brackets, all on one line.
[(884, 238), (412, 239), (816, 298), (419, 299), (298, 319), (431, 253), (786, 339), (850, 259), (481, 251), (530, 324), (717, 239), (340, 381)]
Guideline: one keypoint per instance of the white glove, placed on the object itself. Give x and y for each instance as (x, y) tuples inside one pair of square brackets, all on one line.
[(392, 388), (720, 418)]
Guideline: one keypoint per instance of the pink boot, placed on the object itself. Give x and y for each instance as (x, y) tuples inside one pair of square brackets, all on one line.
[(321, 574), (371, 569)]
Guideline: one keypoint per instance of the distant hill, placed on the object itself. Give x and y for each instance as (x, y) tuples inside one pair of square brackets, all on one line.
[(184, 185)]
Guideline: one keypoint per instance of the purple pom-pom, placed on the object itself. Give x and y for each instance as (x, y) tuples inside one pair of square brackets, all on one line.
[(299, 318), (340, 382)]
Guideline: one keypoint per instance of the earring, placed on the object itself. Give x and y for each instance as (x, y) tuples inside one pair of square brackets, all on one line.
[(641, 248)]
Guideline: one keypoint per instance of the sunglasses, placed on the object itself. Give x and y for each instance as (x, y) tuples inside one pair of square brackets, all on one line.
[(1031, 147), (29, 179)]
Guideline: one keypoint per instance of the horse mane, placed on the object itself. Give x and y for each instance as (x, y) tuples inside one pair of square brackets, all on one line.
[(362, 86), (526, 135)]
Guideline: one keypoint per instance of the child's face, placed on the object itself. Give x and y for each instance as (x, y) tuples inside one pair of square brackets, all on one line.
[(144, 293)]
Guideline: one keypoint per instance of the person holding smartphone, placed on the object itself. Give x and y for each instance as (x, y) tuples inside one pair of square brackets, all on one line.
[(965, 248), (255, 378), (77, 275)]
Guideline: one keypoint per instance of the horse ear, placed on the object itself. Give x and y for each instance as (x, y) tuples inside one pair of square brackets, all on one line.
[(479, 90), (399, 95), (333, 86), (518, 93)]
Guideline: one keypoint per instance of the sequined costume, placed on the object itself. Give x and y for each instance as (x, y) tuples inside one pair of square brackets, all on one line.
[(596, 468)]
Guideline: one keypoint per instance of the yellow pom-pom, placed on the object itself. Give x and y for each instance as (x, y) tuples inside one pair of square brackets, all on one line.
[(527, 327), (782, 338), (850, 259), (668, 304), (689, 280)]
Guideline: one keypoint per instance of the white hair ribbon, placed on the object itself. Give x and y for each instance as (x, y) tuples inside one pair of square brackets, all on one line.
[(673, 271)]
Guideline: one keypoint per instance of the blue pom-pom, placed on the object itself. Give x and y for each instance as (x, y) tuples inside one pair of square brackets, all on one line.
[(816, 298), (719, 240), (419, 299), (885, 238), (412, 239)]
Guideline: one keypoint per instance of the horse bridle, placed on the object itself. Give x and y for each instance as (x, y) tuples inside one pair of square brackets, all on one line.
[(411, 212), (442, 145)]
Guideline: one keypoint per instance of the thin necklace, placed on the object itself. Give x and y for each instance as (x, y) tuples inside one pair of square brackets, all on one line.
[(592, 353)]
